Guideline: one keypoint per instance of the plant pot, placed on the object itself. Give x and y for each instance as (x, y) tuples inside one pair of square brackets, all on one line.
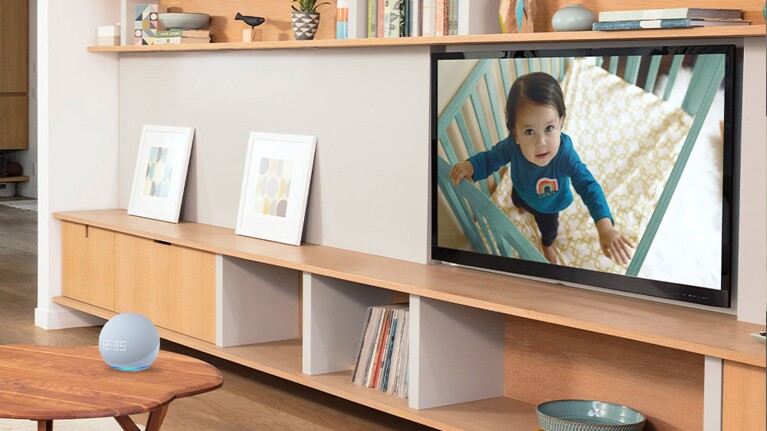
[(305, 24)]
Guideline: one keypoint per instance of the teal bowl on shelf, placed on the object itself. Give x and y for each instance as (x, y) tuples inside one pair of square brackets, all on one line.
[(585, 415), (184, 21)]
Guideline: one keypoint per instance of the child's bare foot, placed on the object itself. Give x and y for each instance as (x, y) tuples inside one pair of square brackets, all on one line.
[(550, 254)]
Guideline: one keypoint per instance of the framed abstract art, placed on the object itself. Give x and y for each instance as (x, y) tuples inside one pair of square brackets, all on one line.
[(160, 175), (275, 187)]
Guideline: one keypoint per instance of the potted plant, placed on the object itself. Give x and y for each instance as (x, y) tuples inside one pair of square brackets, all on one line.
[(305, 18)]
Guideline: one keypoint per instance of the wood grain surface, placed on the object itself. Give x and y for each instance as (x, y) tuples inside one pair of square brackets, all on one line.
[(47, 383), (744, 395), (681, 328)]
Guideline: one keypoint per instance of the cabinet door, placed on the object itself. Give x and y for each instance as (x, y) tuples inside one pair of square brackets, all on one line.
[(14, 22), (743, 397), (88, 264), (173, 286), (14, 112)]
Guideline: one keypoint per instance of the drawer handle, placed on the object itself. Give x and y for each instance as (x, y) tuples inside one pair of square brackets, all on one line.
[(157, 241)]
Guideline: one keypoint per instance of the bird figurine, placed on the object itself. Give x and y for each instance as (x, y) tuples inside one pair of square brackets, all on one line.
[(252, 21)]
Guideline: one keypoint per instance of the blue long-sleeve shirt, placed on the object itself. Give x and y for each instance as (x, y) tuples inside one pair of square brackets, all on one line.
[(545, 188)]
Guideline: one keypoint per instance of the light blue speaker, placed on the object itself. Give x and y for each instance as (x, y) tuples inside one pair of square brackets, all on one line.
[(129, 342)]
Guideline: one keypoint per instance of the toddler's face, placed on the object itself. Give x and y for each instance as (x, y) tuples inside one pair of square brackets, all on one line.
[(537, 132)]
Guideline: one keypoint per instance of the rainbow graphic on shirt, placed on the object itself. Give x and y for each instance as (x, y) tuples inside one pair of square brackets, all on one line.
[(546, 187)]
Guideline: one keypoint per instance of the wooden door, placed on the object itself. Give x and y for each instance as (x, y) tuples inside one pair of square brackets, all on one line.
[(14, 46), (173, 286), (14, 111), (88, 264)]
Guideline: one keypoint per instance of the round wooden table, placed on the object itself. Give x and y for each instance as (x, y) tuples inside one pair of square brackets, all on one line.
[(47, 383)]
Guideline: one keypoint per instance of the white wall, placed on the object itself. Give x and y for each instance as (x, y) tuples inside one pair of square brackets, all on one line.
[(368, 107), (77, 133)]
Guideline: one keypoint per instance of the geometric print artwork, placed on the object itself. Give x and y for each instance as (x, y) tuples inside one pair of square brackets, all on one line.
[(159, 173), (146, 23), (273, 187)]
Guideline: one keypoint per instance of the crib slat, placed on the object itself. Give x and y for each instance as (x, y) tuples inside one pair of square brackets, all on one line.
[(469, 144), (599, 61), (700, 79), (479, 113), (614, 65), (519, 67), (714, 66), (532, 65), (458, 206), (562, 68), (447, 147), (505, 75), (495, 106), (652, 73), (675, 64), (632, 69), (460, 97)]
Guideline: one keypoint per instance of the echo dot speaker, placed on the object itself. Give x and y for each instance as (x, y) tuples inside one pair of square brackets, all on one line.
[(129, 342)]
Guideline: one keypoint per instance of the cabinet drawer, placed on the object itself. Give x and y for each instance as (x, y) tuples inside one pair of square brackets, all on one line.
[(88, 264), (173, 286), (14, 117)]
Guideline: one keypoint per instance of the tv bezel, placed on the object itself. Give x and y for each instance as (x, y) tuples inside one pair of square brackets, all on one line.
[(577, 276)]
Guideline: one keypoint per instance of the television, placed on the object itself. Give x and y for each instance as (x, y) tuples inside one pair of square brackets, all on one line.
[(625, 156)]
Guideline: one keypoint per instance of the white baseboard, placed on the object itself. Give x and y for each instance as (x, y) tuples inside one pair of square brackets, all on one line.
[(62, 318)]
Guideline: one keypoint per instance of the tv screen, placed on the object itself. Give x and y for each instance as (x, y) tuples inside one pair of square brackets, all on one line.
[(609, 167)]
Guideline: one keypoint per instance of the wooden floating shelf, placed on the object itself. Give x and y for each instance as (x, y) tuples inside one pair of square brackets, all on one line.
[(283, 359), (683, 328), (19, 179), (527, 38)]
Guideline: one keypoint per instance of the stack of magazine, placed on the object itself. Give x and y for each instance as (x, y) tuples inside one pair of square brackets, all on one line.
[(382, 359), (668, 18)]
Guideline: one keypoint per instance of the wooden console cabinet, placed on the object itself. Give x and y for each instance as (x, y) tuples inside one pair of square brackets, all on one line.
[(485, 348)]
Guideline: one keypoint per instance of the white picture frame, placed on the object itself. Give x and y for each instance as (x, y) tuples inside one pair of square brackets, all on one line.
[(160, 174), (275, 186)]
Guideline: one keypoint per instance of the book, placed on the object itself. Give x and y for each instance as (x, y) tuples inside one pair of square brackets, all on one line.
[(428, 17), (663, 23), (182, 33), (180, 40), (672, 13), (372, 18)]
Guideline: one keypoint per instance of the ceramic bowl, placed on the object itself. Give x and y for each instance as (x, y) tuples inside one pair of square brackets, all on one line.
[(184, 21), (573, 17), (584, 415)]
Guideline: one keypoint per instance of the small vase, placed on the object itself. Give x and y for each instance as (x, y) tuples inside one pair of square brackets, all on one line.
[(305, 24), (573, 17)]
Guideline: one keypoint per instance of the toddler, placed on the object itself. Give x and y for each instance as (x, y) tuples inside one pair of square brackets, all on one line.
[(543, 163)]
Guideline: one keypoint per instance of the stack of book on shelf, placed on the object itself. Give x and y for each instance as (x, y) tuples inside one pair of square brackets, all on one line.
[(407, 18), (382, 359), (168, 37), (668, 18)]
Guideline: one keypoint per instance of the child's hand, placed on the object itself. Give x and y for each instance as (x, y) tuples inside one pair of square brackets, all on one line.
[(460, 171), (614, 245)]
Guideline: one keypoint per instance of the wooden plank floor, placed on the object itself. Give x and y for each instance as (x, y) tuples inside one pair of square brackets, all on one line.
[(249, 400)]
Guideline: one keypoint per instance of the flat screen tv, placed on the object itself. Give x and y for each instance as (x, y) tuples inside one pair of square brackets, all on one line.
[(611, 167)]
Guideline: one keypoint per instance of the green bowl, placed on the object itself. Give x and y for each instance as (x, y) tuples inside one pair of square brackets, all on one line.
[(184, 21), (585, 415)]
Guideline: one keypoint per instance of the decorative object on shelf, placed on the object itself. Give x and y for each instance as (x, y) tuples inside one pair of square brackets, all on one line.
[(517, 16), (160, 175), (250, 34), (573, 17), (305, 18), (184, 21), (761, 336), (146, 23), (7, 190), (179, 36), (129, 342), (275, 186), (108, 35), (584, 415)]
